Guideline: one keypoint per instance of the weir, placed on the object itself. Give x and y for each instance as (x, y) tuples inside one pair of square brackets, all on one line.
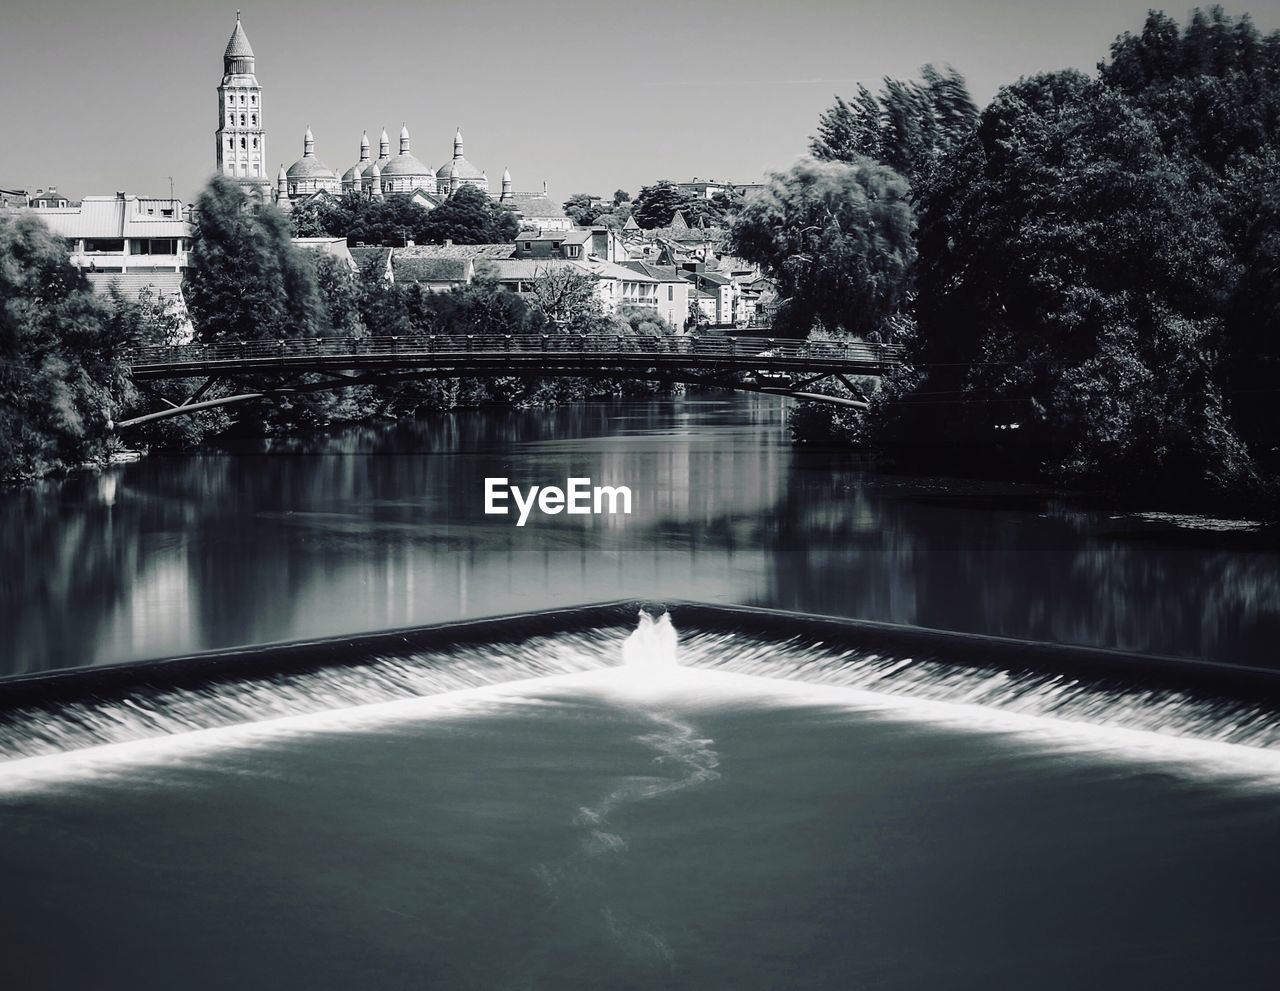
[(70, 710)]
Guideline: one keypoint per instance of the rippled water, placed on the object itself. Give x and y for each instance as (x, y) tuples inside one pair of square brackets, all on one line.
[(383, 526), (701, 830)]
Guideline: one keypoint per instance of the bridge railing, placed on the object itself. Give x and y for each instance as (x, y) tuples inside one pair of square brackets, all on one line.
[(486, 344)]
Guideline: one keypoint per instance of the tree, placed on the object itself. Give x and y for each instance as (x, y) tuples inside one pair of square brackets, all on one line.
[(1072, 279), (908, 127), (245, 279), (837, 239), (656, 205), (329, 217), (470, 216), (567, 298), (584, 209), (390, 222), (63, 375)]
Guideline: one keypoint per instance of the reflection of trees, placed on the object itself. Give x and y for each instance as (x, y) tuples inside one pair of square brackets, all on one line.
[(383, 525), (898, 551)]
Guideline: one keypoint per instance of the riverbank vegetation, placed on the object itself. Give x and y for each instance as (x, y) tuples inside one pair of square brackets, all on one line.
[(64, 351), (1095, 292)]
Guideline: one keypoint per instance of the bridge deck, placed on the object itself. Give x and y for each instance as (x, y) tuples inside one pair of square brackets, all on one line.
[(515, 355)]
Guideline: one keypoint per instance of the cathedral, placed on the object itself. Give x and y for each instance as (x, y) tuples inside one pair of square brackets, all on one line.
[(242, 151)]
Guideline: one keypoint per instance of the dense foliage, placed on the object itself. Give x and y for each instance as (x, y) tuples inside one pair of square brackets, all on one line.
[(469, 216), (908, 127), (837, 239), (657, 205), (586, 210), (246, 281), (1096, 294), (63, 377)]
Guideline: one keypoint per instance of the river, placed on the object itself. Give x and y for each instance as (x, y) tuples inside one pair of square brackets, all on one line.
[(384, 525), (712, 813)]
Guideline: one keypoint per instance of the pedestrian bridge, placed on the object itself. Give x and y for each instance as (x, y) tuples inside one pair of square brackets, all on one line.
[(264, 369)]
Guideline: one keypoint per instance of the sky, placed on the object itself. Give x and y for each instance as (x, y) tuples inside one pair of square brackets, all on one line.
[(586, 95)]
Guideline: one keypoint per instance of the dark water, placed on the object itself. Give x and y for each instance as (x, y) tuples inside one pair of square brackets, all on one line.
[(899, 827), (384, 526), (594, 831)]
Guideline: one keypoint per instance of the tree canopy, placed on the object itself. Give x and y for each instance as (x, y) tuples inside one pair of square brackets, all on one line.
[(470, 216), (1097, 263), (908, 126), (837, 239), (245, 279), (657, 205)]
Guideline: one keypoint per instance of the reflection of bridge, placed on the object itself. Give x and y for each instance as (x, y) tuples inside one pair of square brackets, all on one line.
[(780, 367)]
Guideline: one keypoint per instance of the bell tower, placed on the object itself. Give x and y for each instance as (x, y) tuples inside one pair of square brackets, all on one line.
[(242, 139)]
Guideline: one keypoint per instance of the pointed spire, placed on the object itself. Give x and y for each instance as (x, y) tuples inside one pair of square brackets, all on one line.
[(457, 144), (364, 146), (238, 46), (506, 184), (375, 186), (282, 182), (308, 144), (404, 139), (384, 145)]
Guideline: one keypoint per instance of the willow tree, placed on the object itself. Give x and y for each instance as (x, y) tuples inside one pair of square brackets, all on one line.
[(837, 238)]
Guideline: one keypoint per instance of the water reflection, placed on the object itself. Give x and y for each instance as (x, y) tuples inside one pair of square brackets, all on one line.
[(383, 525)]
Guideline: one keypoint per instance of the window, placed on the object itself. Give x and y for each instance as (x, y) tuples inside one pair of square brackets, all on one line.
[(242, 143), (103, 245), (255, 142), (671, 293), (153, 246), (573, 251), (253, 119), (253, 100), (242, 120)]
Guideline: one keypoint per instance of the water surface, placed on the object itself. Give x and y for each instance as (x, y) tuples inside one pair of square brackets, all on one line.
[(383, 526), (593, 831)]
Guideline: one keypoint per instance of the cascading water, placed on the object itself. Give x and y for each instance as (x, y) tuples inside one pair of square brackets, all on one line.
[(386, 675)]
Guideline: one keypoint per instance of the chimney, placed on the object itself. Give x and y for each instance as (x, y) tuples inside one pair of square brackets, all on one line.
[(119, 194), (448, 242)]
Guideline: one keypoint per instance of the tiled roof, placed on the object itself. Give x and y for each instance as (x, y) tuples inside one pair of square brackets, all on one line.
[(457, 251), (508, 269), (659, 273), (430, 269), (238, 44), (536, 206)]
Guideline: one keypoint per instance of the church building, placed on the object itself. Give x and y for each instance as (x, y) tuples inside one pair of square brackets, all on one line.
[(241, 156)]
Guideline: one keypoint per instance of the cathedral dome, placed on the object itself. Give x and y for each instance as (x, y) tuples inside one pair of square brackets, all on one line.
[(405, 164), (308, 173), (458, 171), (310, 167), (404, 173)]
